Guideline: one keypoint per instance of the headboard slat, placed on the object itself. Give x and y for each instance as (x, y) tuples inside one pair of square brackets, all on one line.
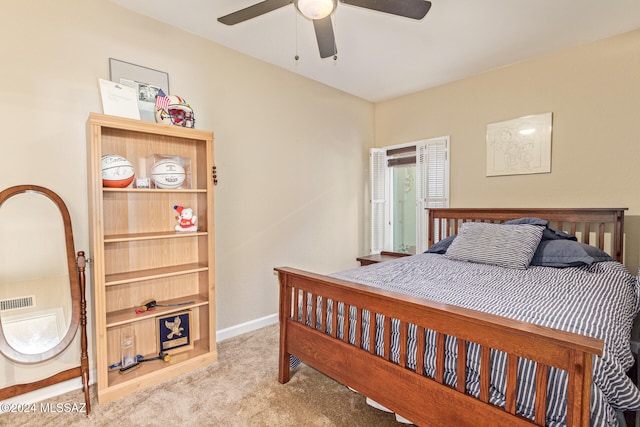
[(587, 233)]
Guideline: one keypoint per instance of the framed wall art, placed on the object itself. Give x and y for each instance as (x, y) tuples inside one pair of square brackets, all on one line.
[(519, 146), (146, 82)]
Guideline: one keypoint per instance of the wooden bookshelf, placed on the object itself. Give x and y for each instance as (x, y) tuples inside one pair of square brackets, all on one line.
[(138, 256)]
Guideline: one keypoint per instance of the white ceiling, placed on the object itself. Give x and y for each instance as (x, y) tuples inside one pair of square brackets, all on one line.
[(382, 56)]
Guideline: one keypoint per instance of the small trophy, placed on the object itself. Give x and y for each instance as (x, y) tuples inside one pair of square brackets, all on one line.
[(128, 349)]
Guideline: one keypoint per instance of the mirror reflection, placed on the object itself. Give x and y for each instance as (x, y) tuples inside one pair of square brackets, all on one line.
[(35, 302)]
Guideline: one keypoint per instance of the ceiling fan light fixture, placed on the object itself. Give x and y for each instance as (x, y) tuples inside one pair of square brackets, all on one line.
[(316, 9)]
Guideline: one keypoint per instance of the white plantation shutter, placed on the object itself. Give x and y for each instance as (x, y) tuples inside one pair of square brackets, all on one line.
[(432, 183), (378, 168), (438, 173)]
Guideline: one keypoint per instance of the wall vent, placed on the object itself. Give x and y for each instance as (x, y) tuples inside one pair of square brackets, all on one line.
[(16, 303)]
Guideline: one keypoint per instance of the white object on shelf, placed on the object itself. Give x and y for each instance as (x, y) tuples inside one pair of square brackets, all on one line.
[(119, 100)]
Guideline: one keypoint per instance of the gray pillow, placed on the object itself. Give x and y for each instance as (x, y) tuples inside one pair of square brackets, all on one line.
[(504, 245), (567, 253), (441, 246), (553, 234), (528, 220)]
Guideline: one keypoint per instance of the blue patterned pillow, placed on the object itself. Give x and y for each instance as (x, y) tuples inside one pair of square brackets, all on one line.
[(504, 245)]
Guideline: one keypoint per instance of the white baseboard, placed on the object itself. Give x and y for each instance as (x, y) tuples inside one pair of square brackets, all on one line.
[(76, 383), (243, 328)]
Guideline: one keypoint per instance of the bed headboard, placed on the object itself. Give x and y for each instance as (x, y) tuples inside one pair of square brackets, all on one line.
[(593, 226)]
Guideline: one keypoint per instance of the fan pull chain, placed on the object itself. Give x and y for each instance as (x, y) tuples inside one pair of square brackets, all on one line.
[(297, 57), (335, 46)]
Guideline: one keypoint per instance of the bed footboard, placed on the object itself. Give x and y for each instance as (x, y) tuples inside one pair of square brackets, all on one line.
[(409, 391)]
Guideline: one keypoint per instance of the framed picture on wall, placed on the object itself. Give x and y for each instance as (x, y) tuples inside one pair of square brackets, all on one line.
[(519, 146)]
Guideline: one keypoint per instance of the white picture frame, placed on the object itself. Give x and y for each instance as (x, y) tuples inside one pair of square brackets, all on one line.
[(520, 146)]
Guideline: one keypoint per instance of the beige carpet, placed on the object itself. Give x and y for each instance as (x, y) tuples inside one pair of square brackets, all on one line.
[(240, 390)]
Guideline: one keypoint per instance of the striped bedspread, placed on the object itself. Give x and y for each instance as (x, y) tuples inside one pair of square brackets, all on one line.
[(600, 301)]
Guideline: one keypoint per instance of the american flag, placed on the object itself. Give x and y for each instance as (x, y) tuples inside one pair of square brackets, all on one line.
[(162, 100)]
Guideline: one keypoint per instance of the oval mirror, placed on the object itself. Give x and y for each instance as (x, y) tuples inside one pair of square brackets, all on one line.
[(39, 291)]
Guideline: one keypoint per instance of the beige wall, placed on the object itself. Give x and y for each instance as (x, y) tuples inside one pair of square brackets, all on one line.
[(291, 153), (594, 94)]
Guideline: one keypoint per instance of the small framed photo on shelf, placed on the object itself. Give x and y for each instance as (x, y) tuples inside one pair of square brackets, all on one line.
[(174, 332), (143, 182)]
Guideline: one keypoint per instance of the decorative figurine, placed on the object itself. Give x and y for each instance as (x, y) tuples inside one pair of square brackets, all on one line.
[(186, 219)]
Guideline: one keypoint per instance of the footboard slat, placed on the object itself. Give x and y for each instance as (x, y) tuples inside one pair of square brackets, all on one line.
[(542, 373), (512, 378), (296, 307), (583, 411), (485, 372), (440, 357), (461, 368), (304, 308), (387, 338), (372, 332), (347, 323), (314, 310), (323, 315), (420, 342), (359, 327), (334, 319), (425, 400)]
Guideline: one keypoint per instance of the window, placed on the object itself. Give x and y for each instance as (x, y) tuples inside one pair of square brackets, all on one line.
[(405, 180)]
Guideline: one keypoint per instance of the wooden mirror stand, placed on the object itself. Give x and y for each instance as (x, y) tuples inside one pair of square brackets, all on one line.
[(78, 320)]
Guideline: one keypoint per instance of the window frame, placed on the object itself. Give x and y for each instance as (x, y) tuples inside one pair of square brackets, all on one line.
[(426, 151)]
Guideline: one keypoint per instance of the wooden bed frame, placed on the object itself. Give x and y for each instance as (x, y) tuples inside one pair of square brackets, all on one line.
[(425, 400)]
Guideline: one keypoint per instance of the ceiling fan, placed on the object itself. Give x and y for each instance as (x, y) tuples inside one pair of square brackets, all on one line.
[(319, 11)]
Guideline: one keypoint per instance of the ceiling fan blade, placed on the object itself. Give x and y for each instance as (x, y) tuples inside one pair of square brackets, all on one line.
[(415, 9), (253, 11), (325, 37)]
